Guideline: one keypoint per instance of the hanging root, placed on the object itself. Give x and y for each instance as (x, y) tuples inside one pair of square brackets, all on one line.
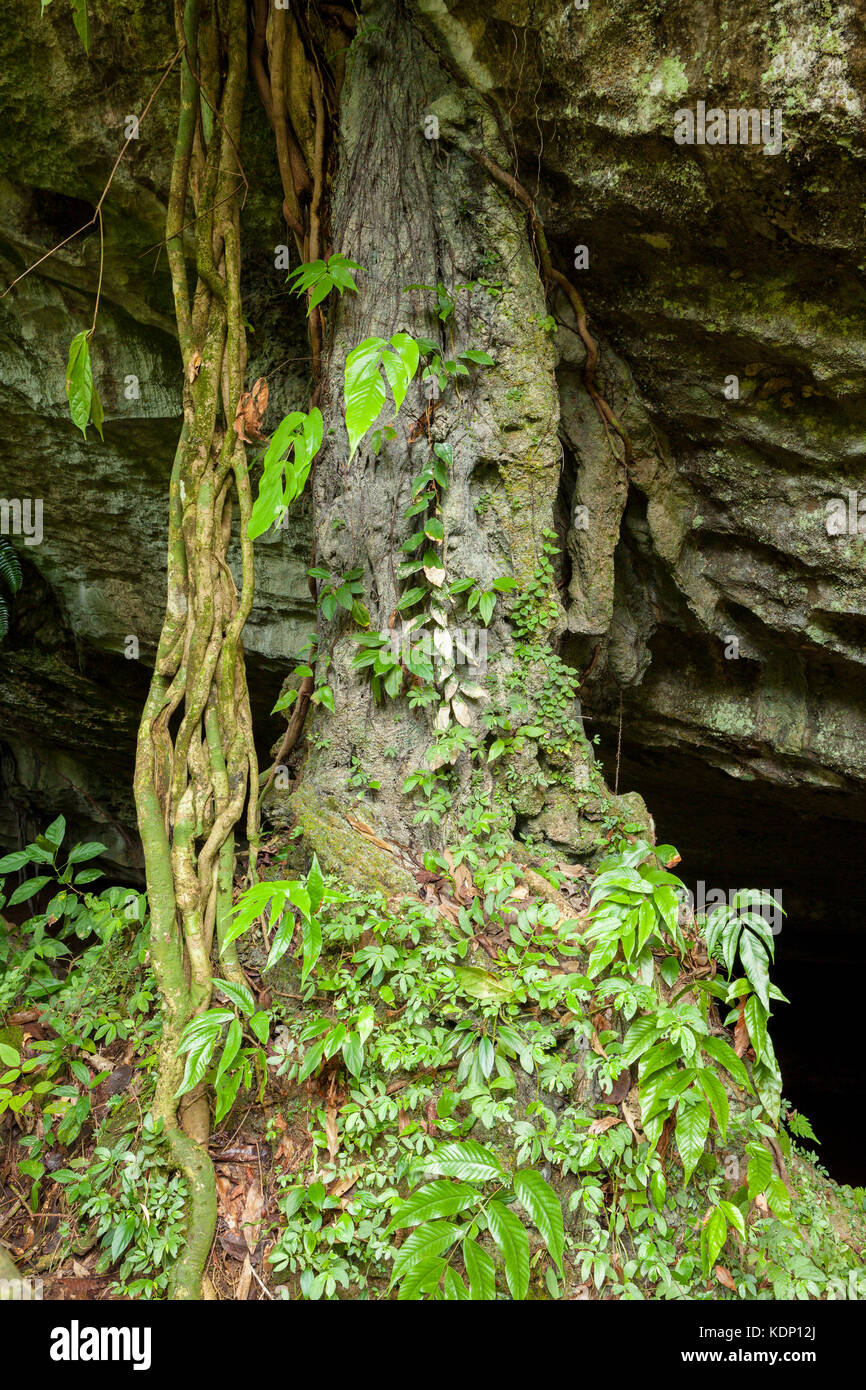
[(551, 276)]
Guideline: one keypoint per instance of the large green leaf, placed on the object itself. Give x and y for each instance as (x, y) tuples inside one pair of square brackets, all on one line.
[(641, 1035), (28, 889), (760, 1168), (421, 1277), (469, 1161), (724, 1054), (713, 1235), (364, 389), (757, 1017), (693, 1126), (432, 1238), (79, 384), (717, 1096), (434, 1200), (543, 1207), (510, 1236), (753, 955), (455, 1289), (240, 994), (481, 1271), (311, 939)]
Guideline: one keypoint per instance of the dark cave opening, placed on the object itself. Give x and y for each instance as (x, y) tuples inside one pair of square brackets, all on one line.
[(806, 846)]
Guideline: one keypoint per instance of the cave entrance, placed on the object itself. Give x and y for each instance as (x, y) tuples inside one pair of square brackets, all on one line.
[(808, 845)]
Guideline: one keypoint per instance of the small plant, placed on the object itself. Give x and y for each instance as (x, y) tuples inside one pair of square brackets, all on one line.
[(475, 1188), (318, 278)]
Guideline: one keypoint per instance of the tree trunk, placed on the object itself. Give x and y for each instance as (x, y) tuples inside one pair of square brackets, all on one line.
[(414, 208)]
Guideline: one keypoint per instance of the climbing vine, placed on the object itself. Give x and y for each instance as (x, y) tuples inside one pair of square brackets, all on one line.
[(196, 765)]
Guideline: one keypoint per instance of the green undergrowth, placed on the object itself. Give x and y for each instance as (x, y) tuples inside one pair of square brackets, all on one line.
[(492, 1095)]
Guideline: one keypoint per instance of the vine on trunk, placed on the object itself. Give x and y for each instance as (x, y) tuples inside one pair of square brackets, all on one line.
[(196, 763)]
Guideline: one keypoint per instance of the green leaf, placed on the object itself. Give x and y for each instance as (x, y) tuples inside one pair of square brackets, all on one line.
[(401, 371), (311, 941), (510, 1235), (481, 984), (757, 1017), (481, 1271), (760, 1168), (324, 696), (81, 22), (364, 389), (455, 1289), (735, 1217), (29, 888), (469, 1161), (693, 1126), (240, 995), (197, 1062), (725, 1055), (658, 1189), (280, 944), (80, 853), (315, 886), (641, 1035), (543, 1207), (312, 1058), (11, 863), (753, 955), (433, 1238), (260, 1026), (779, 1197), (226, 1092), (55, 832), (234, 1038), (353, 1053), (434, 1199), (422, 1278), (8, 1055), (79, 381), (713, 1236), (717, 1096)]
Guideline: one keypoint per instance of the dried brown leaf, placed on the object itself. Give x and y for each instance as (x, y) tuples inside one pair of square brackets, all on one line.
[(245, 1278), (251, 1220), (331, 1130), (601, 1126)]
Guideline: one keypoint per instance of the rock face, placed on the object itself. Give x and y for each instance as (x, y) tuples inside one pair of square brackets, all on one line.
[(727, 282), (73, 669), (723, 283)]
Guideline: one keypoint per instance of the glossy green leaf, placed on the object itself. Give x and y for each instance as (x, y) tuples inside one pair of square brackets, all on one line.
[(510, 1235), (544, 1209), (481, 1272)]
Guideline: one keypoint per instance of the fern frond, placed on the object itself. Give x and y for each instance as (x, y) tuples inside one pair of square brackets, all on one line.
[(10, 568), (4, 618)]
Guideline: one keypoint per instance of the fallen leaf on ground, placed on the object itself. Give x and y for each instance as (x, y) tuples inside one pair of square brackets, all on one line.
[(331, 1130), (251, 1220), (601, 1126), (630, 1108), (245, 1278), (724, 1277)]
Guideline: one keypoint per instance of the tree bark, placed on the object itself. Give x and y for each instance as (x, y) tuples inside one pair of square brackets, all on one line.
[(413, 209)]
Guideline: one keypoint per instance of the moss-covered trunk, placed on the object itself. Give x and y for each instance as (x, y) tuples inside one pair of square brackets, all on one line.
[(447, 256)]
